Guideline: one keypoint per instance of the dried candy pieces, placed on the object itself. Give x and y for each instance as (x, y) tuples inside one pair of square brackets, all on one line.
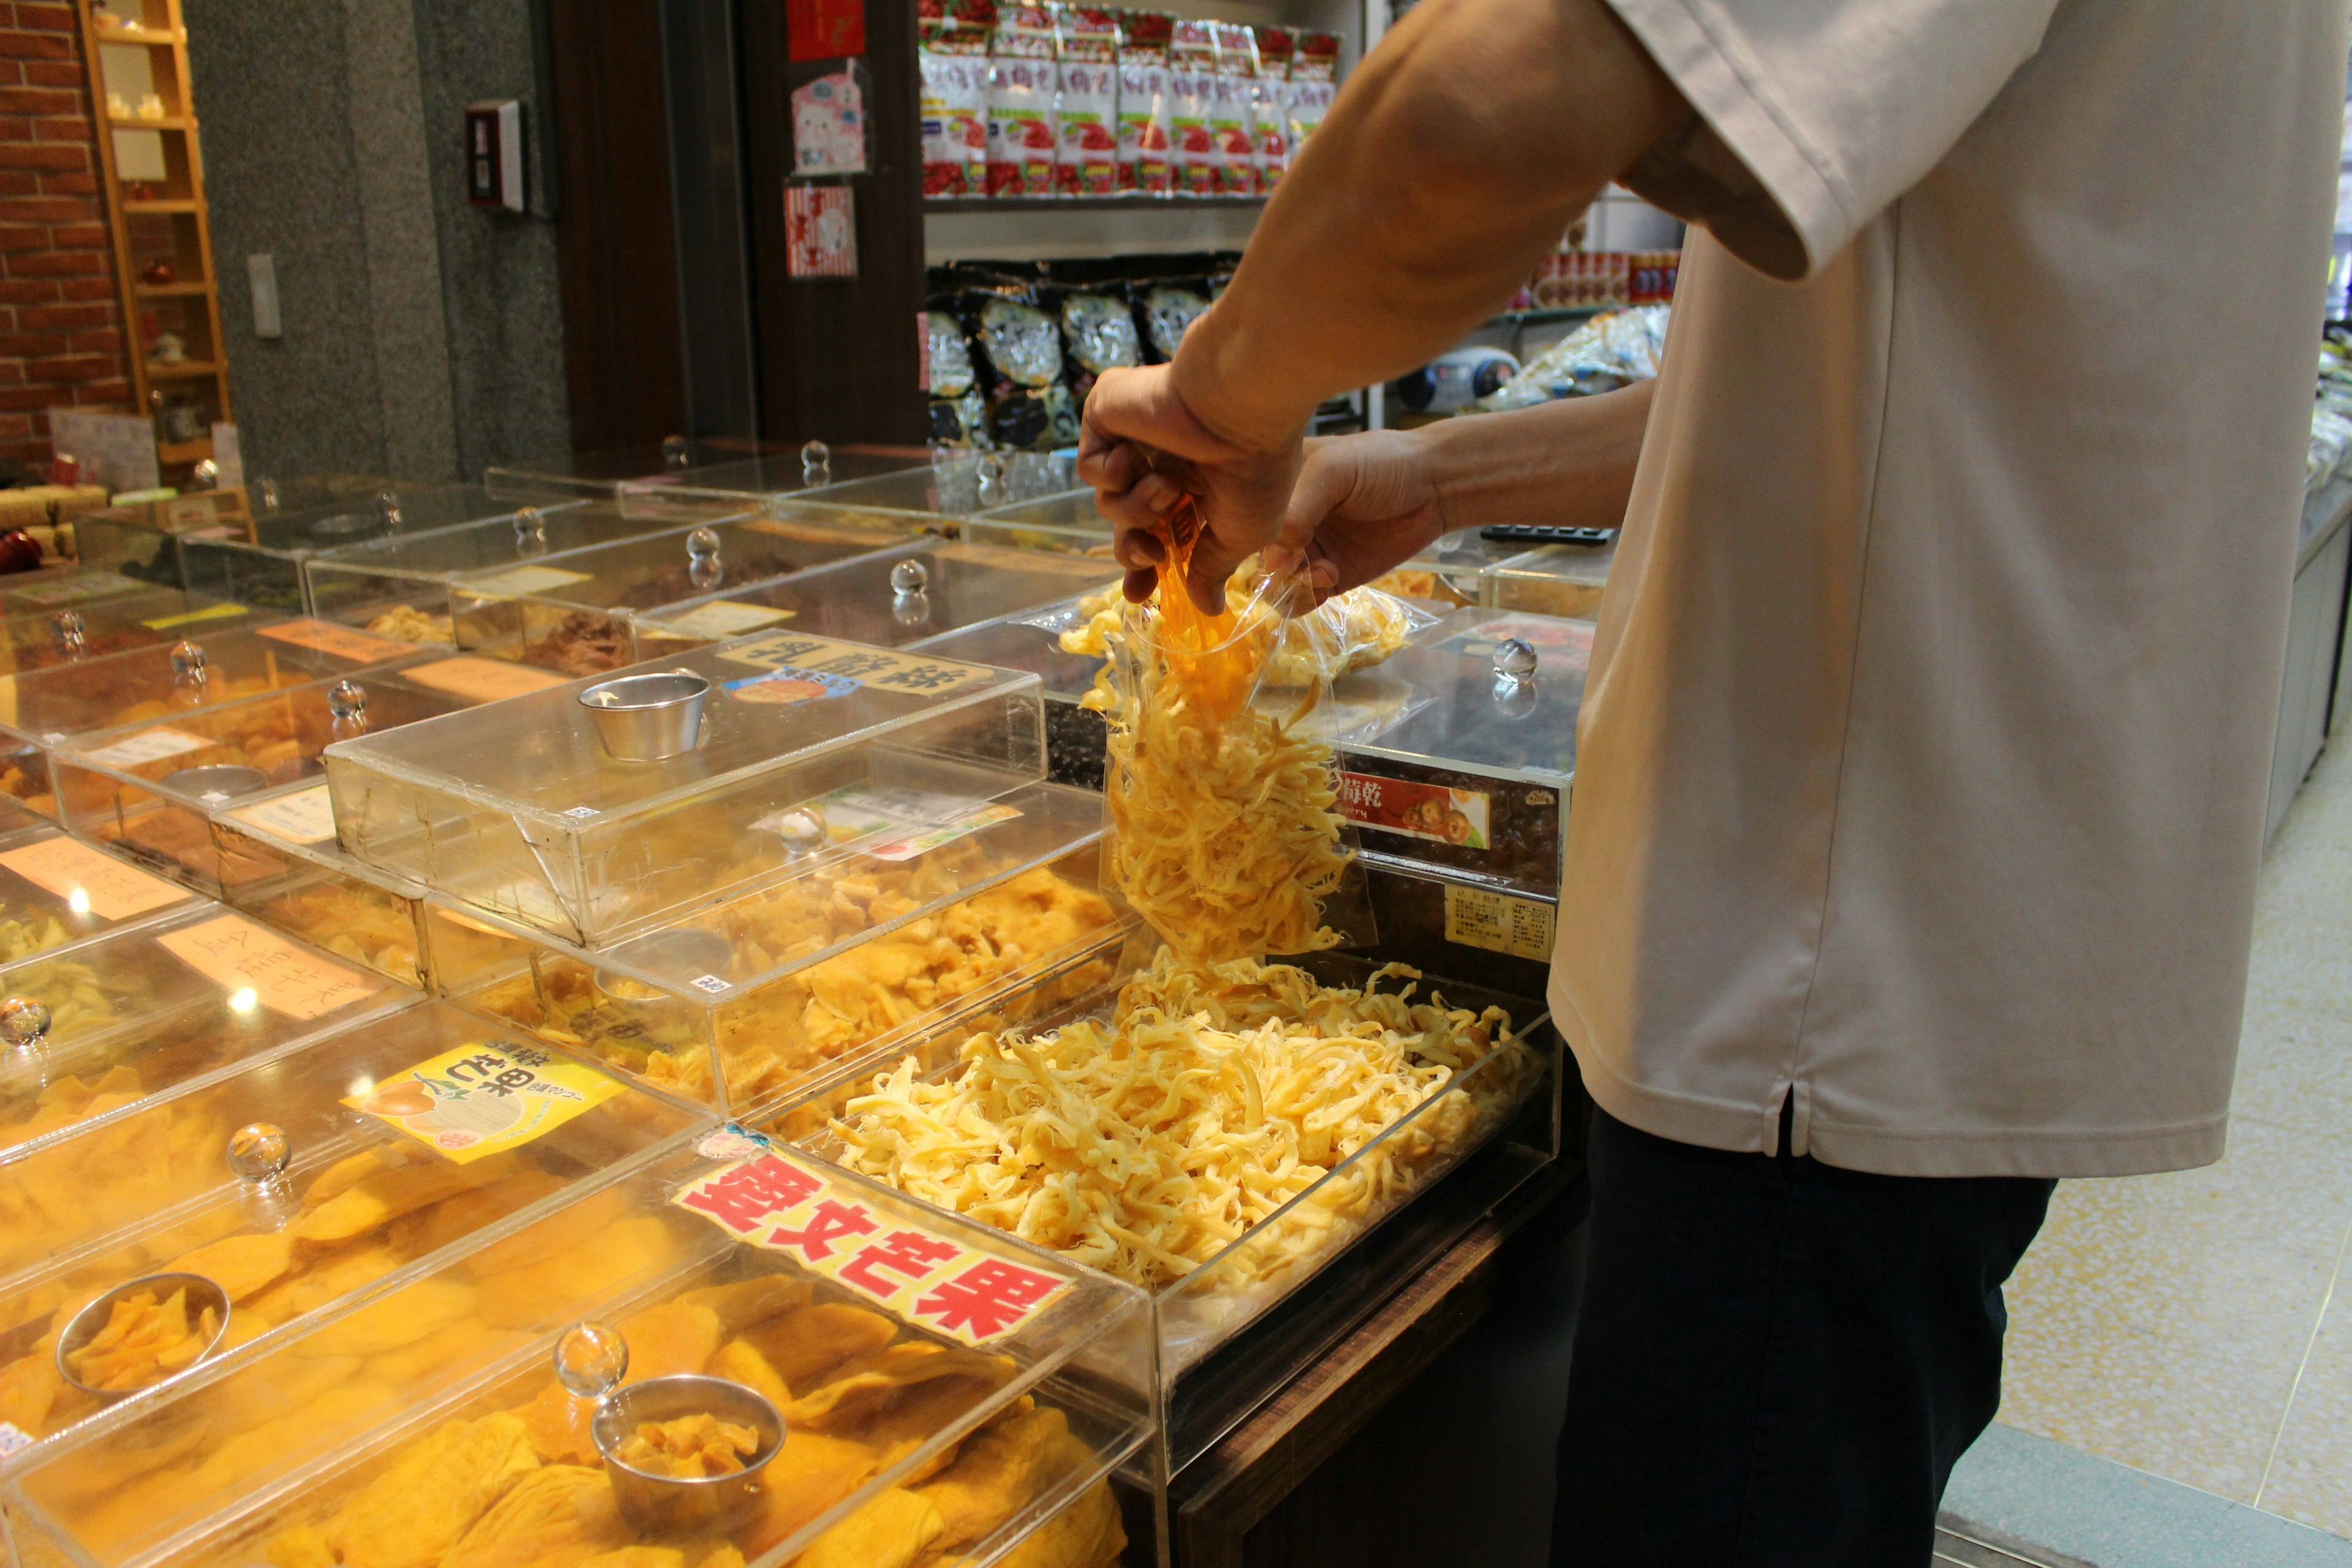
[(688, 1447), (143, 1342)]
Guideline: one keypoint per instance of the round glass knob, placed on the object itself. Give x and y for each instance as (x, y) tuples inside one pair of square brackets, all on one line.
[(531, 532), (910, 609), (816, 457), (387, 509), (802, 829), (1514, 658), (591, 1359), (259, 1152), (701, 542), (267, 488), (673, 452), (188, 661), (206, 474), (73, 636), (24, 1020), (347, 701), (910, 577)]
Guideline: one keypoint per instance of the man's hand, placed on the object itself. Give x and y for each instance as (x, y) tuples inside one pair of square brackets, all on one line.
[(1363, 505), (1143, 450)]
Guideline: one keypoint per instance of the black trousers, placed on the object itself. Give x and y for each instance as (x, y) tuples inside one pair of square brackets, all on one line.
[(1778, 1362)]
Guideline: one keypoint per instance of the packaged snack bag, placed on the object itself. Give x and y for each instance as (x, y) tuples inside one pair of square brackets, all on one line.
[(1313, 83), (1229, 113), (1021, 78), (1191, 96), (1270, 107), (1143, 97), (1087, 115), (953, 57)]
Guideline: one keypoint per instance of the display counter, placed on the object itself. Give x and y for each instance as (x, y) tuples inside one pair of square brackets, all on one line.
[(54, 588), (1031, 640), (57, 893), (1553, 580), (280, 864), (44, 639), (740, 469)]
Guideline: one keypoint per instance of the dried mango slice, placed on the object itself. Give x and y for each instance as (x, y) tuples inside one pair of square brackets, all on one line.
[(892, 1530), (240, 1265), (402, 1318), (412, 1514), (558, 1516), (677, 1338), (550, 1293), (749, 1302), (738, 1361), (810, 1474), (999, 1469), (804, 1346), (863, 1390), (1087, 1534), (378, 1200)]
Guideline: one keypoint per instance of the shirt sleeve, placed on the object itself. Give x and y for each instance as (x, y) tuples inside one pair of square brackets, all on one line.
[(1813, 115)]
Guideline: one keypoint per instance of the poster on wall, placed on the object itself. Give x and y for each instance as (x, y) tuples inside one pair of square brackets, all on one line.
[(829, 124), (820, 232), (824, 29), (117, 450)]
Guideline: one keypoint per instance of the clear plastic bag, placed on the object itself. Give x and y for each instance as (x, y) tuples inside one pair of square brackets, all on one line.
[(1220, 795)]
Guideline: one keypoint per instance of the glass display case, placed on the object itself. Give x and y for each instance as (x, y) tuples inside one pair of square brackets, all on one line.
[(135, 538), (728, 466), (597, 809), (57, 893), (1331, 1239), (1031, 640), (209, 664), (54, 588), (304, 1187), (1554, 580), (1068, 522), (148, 790), (744, 1357), (44, 639), (954, 485), (279, 863), (588, 611), (890, 598), (400, 587), (916, 909)]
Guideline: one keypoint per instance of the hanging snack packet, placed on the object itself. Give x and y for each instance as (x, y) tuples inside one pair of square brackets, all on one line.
[(1229, 113), (1022, 79), (1220, 796), (1191, 98), (1021, 342), (953, 63), (1270, 107), (1085, 116), (1100, 332), (1143, 101), (1167, 311), (1313, 83)]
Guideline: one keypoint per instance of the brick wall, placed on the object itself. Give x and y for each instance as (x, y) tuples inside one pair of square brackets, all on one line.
[(61, 338)]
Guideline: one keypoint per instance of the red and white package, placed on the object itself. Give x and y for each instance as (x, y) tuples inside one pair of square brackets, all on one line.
[(1143, 129), (1022, 78), (953, 61), (1191, 96), (1313, 83), (1085, 116), (1270, 107), (1229, 112)]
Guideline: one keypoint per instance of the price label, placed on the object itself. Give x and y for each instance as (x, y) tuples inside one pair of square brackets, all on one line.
[(148, 746), (74, 590), (485, 1097), (914, 674), (237, 955), (190, 617), (481, 679), (525, 580), (1432, 812), (305, 816), (72, 870), (1498, 923), (725, 619), (342, 642)]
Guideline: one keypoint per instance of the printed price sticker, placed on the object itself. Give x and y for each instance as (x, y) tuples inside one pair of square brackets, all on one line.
[(525, 580), (89, 881), (725, 619), (1498, 923), (786, 685), (481, 679), (306, 817), (1415, 810), (901, 823), (190, 617), (485, 1097), (74, 590), (773, 1202), (14, 1439), (343, 642), (237, 955), (148, 746), (882, 668)]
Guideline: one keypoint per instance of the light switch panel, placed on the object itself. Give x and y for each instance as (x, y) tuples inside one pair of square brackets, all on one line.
[(261, 272)]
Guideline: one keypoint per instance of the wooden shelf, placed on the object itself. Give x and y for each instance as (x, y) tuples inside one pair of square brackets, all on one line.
[(177, 205), (152, 36), (132, 123), (172, 291), (180, 370), (1083, 204), (170, 453)]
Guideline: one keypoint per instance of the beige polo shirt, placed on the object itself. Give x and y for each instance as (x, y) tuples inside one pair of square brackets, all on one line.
[(1922, 766)]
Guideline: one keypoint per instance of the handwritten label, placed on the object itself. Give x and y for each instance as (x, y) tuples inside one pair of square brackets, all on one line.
[(724, 619), (305, 816), (73, 591), (1416, 810), (481, 679), (1498, 923), (485, 1097), (190, 617), (237, 955), (833, 1229), (148, 746), (914, 674), (524, 580), (343, 642), (84, 877)]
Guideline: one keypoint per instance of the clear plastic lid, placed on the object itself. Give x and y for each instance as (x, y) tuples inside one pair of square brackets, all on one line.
[(400, 583), (911, 907), (748, 1351), (1479, 702), (1028, 639), (89, 1032), (596, 808), (1553, 580), (54, 588), (892, 597), (57, 893), (957, 485), (293, 1183), (279, 862), (742, 467), (47, 638)]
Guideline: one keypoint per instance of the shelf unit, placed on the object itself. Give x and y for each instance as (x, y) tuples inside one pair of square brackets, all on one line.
[(161, 218)]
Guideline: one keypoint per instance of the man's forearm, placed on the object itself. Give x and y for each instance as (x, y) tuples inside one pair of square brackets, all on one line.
[(1569, 463), (1454, 159)]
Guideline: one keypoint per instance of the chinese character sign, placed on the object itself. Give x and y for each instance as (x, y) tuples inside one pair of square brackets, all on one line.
[(820, 232)]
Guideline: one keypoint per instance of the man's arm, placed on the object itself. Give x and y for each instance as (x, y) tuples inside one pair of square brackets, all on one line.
[(1453, 159)]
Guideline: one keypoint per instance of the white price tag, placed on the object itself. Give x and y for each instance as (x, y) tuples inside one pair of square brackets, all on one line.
[(148, 746), (724, 619), (525, 580), (306, 817)]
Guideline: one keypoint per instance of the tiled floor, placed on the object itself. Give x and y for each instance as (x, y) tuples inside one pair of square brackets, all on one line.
[(2199, 1325)]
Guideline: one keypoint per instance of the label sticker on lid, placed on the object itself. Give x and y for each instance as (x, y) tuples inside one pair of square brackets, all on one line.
[(305, 816), (148, 746), (894, 824), (523, 580), (481, 679), (343, 642), (1415, 810), (884, 669), (241, 957), (89, 586), (725, 618), (89, 881), (785, 685), (483, 1099), (189, 617), (1498, 923), (14, 1439)]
